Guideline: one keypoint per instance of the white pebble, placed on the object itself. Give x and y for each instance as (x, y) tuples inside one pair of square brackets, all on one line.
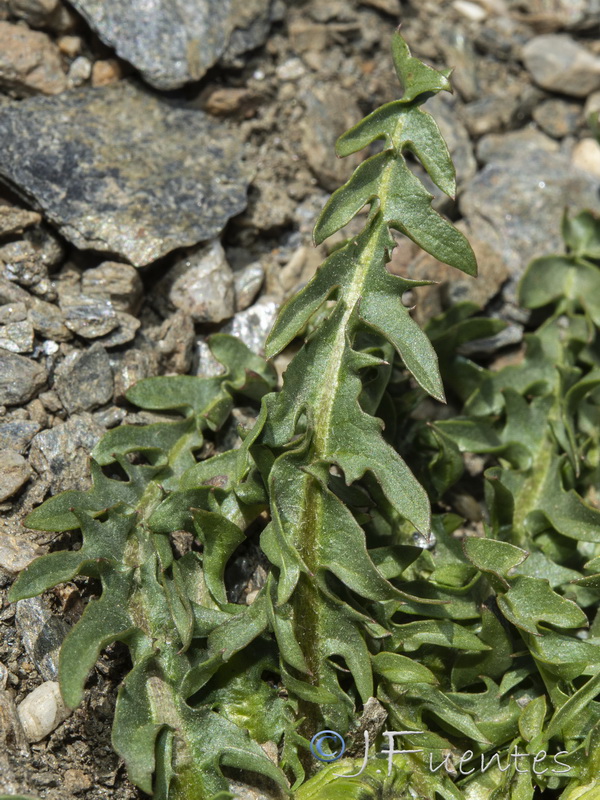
[(586, 157), (470, 10), (42, 711)]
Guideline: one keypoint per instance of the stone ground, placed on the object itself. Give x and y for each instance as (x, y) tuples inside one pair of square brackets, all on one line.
[(148, 200)]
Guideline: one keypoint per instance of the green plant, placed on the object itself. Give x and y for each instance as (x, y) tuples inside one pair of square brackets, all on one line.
[(195, 699)]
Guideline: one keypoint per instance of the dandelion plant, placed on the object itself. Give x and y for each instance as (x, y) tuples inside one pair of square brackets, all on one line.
[(217, 684)]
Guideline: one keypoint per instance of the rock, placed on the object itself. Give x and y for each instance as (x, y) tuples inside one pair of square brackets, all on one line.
[(559, 64), (391, 7), (133, 367), (490, 114), (247, 283), (20, 378), (445, 112), (15, 220), (110, 417), (586, 156), (12, 312), (11, 293), (70, 46), (27, 261), (42, 711), (61, 454), (176, 340), (119, 283), (517, 204), (225, 101), (51, 401), (42, 634), (329, 112), (201, 284), (14, 473), (17, 337), (512, 334), (29, 62), (184, 39), (207, 365), (12, 735), (15, 552), (89, 317), (79, 71), (17, 435), (252, 326), (84, 380), (36, 13), (125, 331), (145, 176), (558, 118), (49, 321), (291, 70), (106, 72), (472, 11), (498, 147)]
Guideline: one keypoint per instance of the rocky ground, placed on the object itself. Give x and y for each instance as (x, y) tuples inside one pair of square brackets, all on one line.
[(147, 200)]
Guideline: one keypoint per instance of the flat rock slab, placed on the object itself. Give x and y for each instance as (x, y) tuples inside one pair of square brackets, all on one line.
[(173, 42), (121, 171)]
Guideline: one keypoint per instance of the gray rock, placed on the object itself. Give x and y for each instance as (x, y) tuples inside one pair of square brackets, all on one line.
[(500, 147), (20, 378), (558, 118), (14, 473), (252, 326), (50, 14), (15, 220), (559, 64), (61, 454), (29, 62), (84, 380), (17, 337), (12, 312), (89, 317), (517, 205), (206, 365), (201, 284), (247, 283), (16, 553), (133, 367), (145, 176), (42, 634), (490, 114), (185, 37), (119, 283), (11, 293), (329, 112), (512, 334), (49, 321), (456, 135), (176, 340), (110, 417), (17, 435), (125, 331)]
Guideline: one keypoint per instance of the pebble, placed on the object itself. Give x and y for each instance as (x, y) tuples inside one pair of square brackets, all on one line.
[(247, 283), (49, 321), (70, 46), (17, 337), (444, 109), (84, 380), (12, 312), (201, 284), (176, 341), (290, 70), (517, 204), (586, 156), (79, 71), (142, 179), (61, 455), (17, 435), (119, 283), (20, 378), (185, 38), (30, 62), (224, 101), (42, 711), (329, 112), (557, 63), (89, 317), (36, 13), (12, 737), (106, 72), (125, 332), (471, 11), (11, 293), (42, 634), (391, 7), (15, 220), (512, 334), (558, 118), (14, 473), (252, 326), (132, 367), (500, 147), (15, 552)]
